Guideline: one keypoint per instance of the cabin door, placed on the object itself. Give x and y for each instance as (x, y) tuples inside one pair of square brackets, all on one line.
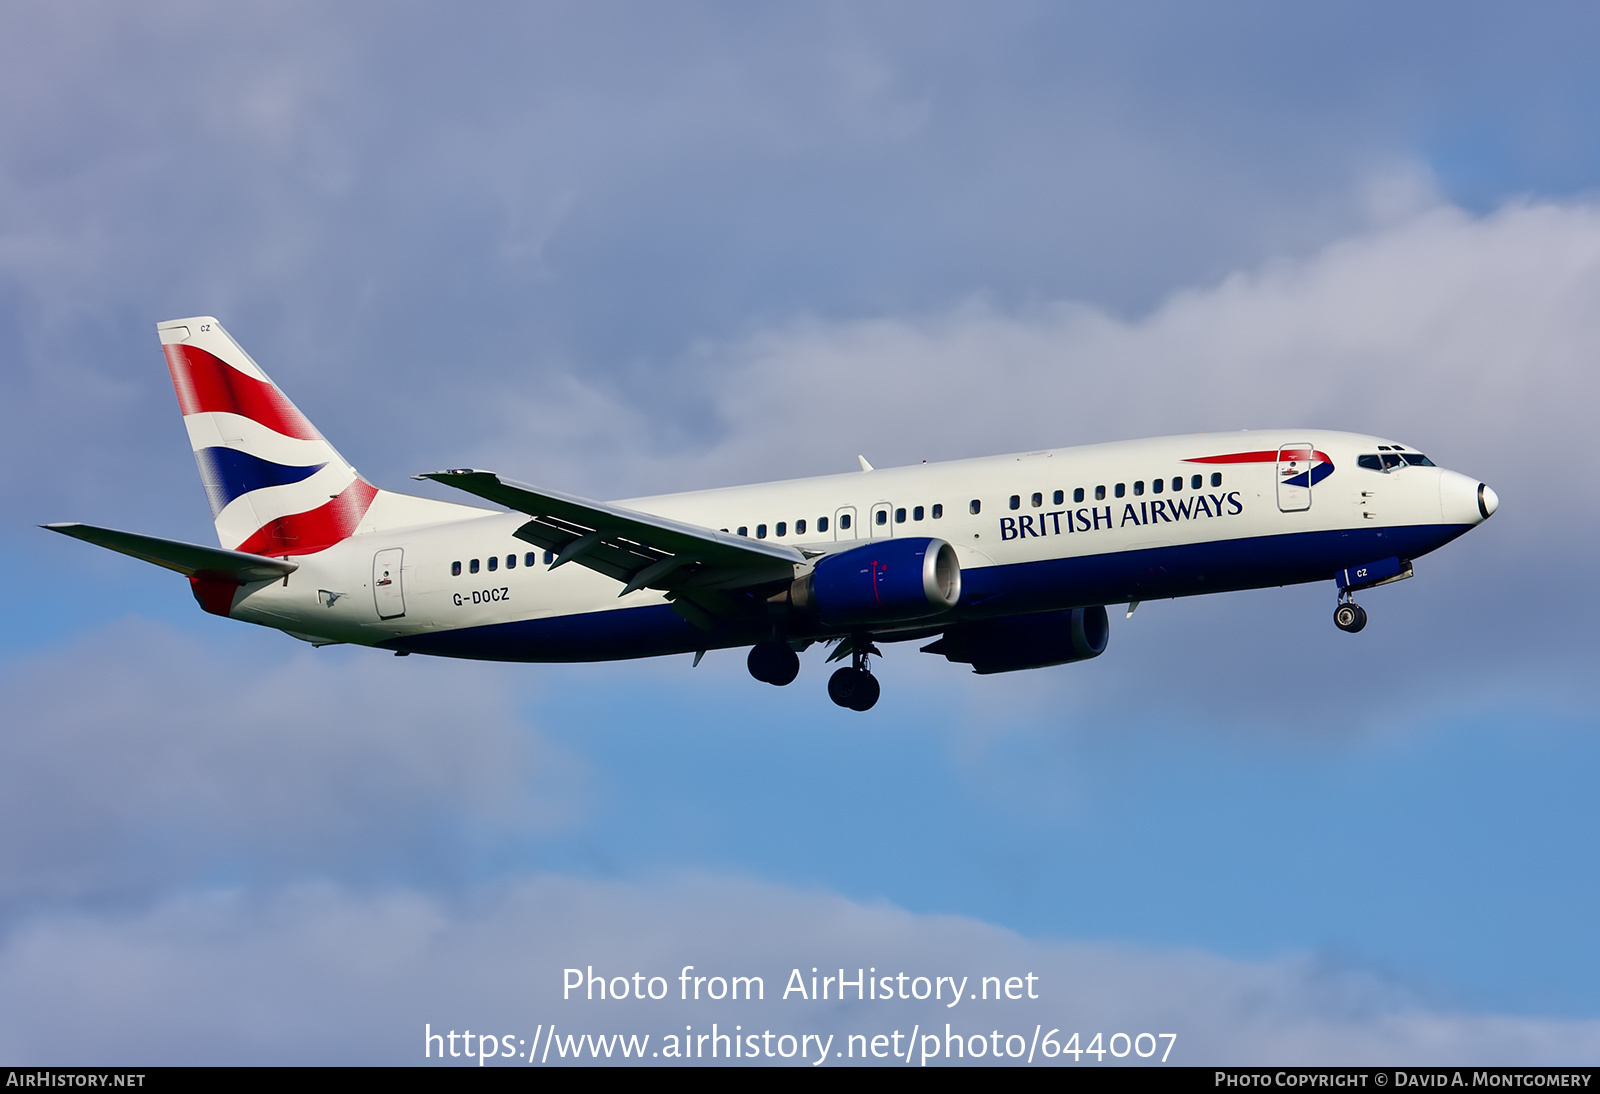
[(1294, 478), (387, 593)]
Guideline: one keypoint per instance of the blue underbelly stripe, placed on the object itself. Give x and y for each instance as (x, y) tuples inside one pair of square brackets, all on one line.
[(1049, 584)]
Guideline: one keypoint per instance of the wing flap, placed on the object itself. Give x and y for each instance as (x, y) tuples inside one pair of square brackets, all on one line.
[(640, 550), (188, 559)]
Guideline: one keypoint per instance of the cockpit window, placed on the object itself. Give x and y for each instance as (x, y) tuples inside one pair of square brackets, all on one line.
[(1389, 460)]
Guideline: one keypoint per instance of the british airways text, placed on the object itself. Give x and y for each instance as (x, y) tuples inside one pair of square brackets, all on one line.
[(1094, 518)]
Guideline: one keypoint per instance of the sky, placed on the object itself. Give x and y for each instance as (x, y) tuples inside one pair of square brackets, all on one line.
[(617, 249)]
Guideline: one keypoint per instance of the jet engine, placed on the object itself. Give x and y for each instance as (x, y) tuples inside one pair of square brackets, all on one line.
[(1026, 641), (884, 581)]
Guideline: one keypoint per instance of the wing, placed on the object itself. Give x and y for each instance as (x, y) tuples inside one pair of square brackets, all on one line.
[(638, 549), (188, 559)]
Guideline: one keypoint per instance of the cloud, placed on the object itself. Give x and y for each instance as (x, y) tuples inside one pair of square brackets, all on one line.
[(1462, 331), (324, 974), (403, 214), (137, 758)]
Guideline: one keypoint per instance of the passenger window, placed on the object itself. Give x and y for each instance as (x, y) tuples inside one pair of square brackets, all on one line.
[(976, 507), (916, 514), (761, 531), (1122, 490), (1177, 483), (472, 567), (1016, 501), (1077, 495), (1138, 489), (899, 516), (1195, 482), (1038, 500), (549, 557), (1059, 497), (782, 529), (800, 528), (1157, 485), (744, 530), (822, 524), (881, 516), (844, 521), (494, 563), (938, 512), (1371, 463), (530, 558), (511, 562), (455, 569), (1216, 478), (1099, 493)]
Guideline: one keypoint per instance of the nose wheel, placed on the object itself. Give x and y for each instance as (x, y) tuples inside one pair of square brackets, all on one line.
[(1349, 616), (855, 687)]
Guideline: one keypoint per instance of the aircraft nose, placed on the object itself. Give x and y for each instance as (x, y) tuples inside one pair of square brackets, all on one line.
[(1465, 500), (1488, 500)]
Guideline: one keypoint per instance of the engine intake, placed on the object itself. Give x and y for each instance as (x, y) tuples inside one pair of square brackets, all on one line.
[(885, 581), (1026, 641)]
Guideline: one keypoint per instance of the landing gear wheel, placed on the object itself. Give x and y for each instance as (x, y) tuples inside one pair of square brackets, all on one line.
[(773, 663), (1350, 617), (853, 688)]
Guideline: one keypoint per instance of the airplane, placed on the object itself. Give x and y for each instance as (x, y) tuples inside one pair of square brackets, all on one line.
[(1005, 563)]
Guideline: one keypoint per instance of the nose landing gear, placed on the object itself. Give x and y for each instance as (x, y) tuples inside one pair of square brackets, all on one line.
[(1349, 616), (855, 687)]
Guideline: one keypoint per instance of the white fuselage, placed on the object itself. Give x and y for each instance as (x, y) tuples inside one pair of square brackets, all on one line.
[(1038, 531)]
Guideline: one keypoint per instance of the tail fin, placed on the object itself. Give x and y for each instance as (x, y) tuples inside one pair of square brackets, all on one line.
[(275, 486)]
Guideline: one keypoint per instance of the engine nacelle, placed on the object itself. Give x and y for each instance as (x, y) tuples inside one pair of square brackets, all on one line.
[(884, 581), (1026, 641)]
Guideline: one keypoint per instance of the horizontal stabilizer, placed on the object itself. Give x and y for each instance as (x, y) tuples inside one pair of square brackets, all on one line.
[(639, 549), (189, 559)]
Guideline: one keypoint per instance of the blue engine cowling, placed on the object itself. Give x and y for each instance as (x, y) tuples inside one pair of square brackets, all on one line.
[(1026, 641), (884, 581)]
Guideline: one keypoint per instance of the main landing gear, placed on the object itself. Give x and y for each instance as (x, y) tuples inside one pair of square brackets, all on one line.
[(774, 663), (855, 687), (1349, 616)]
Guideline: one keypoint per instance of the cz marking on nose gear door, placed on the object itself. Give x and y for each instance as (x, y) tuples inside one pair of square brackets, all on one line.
[(387, 593), (1294, 477)]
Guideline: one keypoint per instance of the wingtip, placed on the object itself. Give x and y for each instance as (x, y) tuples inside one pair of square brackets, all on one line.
[(450, 472)]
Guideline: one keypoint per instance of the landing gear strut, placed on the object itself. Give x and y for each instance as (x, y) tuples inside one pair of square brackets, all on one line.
[(855, 687), (774, 663), (1349, 616)]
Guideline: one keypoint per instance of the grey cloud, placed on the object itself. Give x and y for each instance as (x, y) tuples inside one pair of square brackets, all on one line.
[(403, 212), (136, 757), (321, 974)]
